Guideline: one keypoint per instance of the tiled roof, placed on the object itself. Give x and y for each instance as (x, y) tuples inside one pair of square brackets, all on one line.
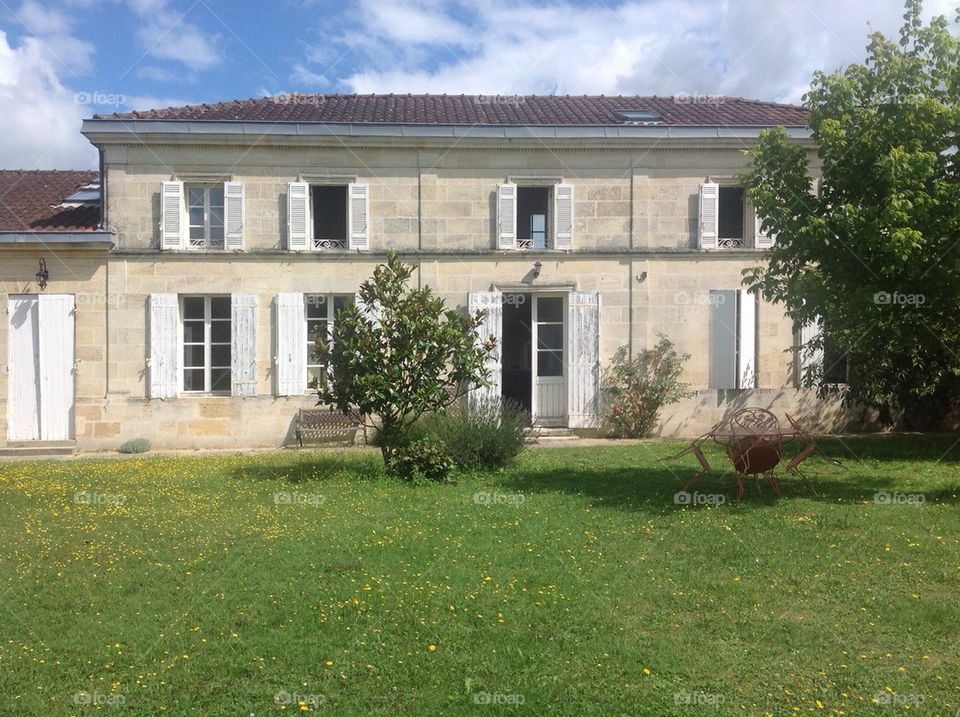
[(31, 200), (689, 110)]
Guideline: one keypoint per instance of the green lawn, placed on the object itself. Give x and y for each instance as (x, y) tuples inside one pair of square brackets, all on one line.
[(185, 587)]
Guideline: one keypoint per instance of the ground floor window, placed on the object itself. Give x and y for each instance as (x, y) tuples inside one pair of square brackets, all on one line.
[(321, 311), (206, 344)]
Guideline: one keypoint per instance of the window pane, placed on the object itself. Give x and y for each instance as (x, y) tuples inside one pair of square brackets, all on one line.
[(196, 216), (315, 376), (216, 236), (216, 196), (550, 336), (193, 307), (195, 196), (216, 216), (220, 355), (193, 332), (316, 306), (316, 329), (193, 356), (193, 379), (549, 363), (550, 308), (220, 379), (340, 303), (220, 332), (220, 307)]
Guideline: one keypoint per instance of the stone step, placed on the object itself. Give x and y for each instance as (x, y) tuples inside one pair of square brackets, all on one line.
[(37, 449)]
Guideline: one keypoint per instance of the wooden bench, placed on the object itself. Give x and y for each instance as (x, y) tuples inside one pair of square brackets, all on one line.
[(323, 424)]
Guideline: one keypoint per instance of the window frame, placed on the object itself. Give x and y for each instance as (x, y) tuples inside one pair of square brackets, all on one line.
[(206, 187), (549, 238), (315, 244), (207, 344), (331, 304), (732, 242)]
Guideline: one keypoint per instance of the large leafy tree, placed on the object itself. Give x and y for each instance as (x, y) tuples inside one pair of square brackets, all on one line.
[(400, 353), (874, 250)]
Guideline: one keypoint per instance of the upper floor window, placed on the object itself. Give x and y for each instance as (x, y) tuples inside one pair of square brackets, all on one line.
[(327, 216), (205, 216), (730, 218), (535, 216), (724, 219)]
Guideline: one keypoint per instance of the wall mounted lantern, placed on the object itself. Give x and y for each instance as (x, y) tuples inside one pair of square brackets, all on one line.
[(42, 274), (537, 266)]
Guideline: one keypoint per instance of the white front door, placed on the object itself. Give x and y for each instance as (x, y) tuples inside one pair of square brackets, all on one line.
[(41, 360), (549, 359)]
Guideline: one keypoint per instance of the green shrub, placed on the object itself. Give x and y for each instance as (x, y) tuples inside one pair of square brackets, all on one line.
[(421, 459), (640, 387), (135, 445), (487, 436)]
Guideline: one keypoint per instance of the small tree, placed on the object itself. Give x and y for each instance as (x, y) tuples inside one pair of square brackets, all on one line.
[(400, 354), (641, 386)]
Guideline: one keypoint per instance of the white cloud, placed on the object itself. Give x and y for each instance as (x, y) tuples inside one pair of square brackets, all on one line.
[(54, 30), (305, 77), (765, 49), (40, 121), (168, 34), (151, 102)]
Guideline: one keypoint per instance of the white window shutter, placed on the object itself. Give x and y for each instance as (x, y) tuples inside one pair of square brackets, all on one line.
[(723, 338), (358, 215), (507, 216), (233, 216), (583, 390), (747, 343), (298, 216), (563, 216), (808, 361), (172, 224), (760, 239), (56, 323), (164, 361), (709, 219), (243, 349), (290, 362), (492, 303)]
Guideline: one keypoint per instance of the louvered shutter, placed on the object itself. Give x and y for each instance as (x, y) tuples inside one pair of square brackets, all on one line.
[(23, 366), (243, 349), (808, 360), (164, 346), (298, 216), (233, 215), (723, 339), (747, 339), (291, 359), (492, 303), (709, 215), (507, 216), (358, 216), (563, 216), (762, 240), (583, 389), (56, 366), (172, 224)]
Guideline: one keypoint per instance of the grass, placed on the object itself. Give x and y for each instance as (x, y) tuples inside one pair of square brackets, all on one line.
[(573, 583)]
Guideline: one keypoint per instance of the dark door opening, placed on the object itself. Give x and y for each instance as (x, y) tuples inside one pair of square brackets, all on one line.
[(516, 349)]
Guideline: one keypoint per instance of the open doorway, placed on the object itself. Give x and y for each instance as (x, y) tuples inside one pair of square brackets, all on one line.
[(517, 350)]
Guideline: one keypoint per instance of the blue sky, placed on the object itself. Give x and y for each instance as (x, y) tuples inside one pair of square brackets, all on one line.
[(63, 61)]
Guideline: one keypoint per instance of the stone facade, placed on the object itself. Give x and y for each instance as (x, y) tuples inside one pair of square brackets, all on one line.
[(635, 242)]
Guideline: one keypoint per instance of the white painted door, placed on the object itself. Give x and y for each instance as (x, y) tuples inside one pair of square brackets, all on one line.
[(549, 360), (41, 367)]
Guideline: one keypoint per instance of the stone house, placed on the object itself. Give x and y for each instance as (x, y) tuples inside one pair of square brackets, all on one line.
[(185, 280)]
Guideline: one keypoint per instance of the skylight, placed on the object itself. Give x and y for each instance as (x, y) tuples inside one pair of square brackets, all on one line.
[(640, 117)]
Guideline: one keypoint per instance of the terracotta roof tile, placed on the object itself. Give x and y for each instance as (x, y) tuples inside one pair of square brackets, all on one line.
[(690, 110), (30, 200)]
